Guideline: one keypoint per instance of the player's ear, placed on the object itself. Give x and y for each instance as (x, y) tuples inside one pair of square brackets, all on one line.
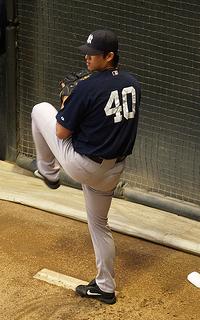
[(110, 56)]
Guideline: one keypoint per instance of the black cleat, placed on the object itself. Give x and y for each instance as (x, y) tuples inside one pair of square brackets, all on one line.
[(93, 291), (50, 184)]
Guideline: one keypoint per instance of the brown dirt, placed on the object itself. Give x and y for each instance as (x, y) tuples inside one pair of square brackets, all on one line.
[(151, 279)]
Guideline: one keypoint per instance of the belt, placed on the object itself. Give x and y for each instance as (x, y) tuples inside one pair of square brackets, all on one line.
[(100, 160)]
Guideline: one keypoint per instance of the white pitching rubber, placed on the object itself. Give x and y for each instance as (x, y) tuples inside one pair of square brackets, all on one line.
[(59, 279)]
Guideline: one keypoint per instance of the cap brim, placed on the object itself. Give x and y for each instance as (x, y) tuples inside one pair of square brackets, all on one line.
[(90, 51)]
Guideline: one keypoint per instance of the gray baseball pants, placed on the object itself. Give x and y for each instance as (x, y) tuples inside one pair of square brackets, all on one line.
[(98, 182)]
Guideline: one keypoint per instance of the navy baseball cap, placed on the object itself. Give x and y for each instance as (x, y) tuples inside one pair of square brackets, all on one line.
[(100, 42)]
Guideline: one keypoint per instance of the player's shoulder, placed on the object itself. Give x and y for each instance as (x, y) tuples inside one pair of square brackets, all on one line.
[(82, 84), (128, 74), (105, 77), (90, 81)]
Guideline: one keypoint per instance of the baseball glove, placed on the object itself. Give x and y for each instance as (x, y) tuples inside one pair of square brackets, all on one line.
[(70, 81)]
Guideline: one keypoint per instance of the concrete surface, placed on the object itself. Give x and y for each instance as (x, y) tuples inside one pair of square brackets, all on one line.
[(151, 279), (19, 185)]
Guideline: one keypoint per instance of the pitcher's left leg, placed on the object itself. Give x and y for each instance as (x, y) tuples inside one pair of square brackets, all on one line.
[(97, 206), (43, 130)]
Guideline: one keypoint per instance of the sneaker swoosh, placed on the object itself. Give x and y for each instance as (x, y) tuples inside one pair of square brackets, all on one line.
[(89, 293)]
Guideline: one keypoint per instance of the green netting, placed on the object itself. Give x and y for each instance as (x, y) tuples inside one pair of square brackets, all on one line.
[(159, 42)]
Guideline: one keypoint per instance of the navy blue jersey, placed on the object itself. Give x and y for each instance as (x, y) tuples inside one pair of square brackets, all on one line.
[(102, 113)]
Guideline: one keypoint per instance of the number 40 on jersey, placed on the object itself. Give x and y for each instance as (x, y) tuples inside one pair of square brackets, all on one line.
[(126, 109)]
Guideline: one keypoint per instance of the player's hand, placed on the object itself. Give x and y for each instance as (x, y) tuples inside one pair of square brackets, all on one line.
[(68, 84), (64, 98)]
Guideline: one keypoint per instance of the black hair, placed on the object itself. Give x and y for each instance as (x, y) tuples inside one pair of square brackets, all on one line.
[(115, 59)]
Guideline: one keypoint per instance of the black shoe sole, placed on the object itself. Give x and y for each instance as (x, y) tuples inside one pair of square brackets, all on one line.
[(49, 184)]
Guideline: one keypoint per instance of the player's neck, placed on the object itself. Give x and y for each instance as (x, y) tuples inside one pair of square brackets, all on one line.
[(109, 68)]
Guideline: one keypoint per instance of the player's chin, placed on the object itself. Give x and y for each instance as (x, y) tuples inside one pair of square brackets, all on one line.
[(93, 69), (90, 68)]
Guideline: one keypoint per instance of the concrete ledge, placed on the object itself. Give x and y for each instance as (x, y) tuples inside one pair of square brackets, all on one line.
[(126, 217), (151, 199), (182, 208)]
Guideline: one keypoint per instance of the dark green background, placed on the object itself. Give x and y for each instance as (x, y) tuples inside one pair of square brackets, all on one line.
[(159, 42)]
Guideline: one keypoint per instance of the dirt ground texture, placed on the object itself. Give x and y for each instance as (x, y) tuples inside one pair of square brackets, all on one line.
[(151, 279)]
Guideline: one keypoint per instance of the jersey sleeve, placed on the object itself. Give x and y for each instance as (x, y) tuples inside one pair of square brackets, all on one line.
[(74, 109)]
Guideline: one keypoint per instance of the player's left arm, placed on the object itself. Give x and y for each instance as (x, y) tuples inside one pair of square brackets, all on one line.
[(73, 112), (61, 132), (68, 85)]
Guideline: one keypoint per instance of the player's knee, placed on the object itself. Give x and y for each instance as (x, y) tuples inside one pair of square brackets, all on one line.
[(35, 110), (40, 107)]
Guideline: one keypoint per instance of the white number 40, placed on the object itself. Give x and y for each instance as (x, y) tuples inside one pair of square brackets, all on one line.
[(118, 109)]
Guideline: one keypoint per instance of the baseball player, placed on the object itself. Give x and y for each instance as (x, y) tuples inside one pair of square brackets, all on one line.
[(90, 137)]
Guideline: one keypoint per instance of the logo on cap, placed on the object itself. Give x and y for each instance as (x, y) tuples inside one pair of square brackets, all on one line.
[(89, 39)]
